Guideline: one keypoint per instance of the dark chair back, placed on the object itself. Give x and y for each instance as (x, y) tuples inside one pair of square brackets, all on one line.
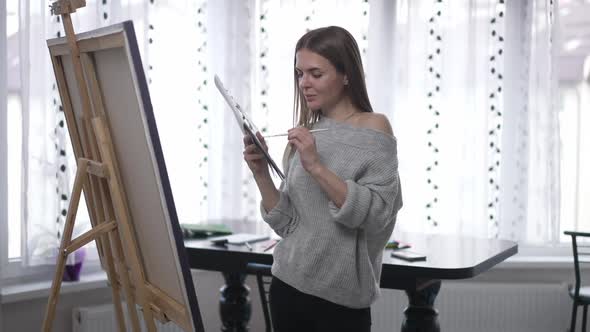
[(263, 279), (581, 255)]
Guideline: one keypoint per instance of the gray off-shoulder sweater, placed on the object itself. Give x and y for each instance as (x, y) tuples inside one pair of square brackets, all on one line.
[(330, 252)]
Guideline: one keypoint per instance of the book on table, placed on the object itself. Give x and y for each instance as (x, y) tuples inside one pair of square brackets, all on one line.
[(239, 239), (409, 256)]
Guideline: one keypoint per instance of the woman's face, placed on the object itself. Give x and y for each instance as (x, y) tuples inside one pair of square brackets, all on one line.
[(322, 85)]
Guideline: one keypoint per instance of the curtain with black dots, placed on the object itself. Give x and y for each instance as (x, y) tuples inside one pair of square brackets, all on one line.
[(531, 202), (49, 164), (455, 79), (255, 62), (460, 83)]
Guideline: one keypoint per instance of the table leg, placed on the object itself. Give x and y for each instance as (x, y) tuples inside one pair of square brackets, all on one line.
[(420, 313), (234, 304)]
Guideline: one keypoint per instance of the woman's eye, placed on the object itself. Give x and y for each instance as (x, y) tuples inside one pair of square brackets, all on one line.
[(316, 75)]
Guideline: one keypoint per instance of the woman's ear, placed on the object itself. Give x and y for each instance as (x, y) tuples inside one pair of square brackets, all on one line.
[(345, 81)]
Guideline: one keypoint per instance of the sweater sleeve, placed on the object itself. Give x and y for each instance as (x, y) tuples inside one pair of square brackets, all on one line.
[(373, 199), (282, 218)]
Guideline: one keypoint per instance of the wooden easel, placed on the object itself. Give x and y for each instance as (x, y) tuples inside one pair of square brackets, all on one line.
[(99, 177)]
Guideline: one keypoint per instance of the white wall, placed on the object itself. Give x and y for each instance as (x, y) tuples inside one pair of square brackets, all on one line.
[(28, 316)]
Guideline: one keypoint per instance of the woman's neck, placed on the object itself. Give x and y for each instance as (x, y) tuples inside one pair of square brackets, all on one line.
[(341, 111)]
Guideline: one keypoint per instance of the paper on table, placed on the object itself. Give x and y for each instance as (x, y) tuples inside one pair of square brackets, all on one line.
[(246, 124), (240, 238)]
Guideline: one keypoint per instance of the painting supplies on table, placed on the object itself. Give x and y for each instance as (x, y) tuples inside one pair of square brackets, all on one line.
[(201, 231), (396, 245), (238, 239)]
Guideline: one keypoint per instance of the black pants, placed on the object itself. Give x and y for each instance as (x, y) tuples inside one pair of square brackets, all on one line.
[(294, 311)]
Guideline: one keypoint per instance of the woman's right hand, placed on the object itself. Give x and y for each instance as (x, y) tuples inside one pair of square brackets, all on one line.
[(254, 157)]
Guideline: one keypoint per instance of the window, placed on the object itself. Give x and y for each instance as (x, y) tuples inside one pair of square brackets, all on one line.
[(279, 37), (574, 122), (14, 158), (575, 154), (14, 131)]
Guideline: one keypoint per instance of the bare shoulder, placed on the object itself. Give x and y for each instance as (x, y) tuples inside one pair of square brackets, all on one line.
[(375, 121)]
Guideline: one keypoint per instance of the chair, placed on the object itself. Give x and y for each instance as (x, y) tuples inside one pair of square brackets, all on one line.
[(263, 278), (579, 294)]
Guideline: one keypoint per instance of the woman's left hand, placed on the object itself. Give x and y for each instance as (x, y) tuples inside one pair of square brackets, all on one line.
[(304, 142)]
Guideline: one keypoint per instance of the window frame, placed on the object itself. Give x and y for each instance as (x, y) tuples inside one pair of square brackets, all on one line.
[(13, 270), (3, 143)]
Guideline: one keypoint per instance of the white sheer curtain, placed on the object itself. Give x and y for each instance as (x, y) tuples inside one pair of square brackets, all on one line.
[(578, 214), (48, 163), (531, 198), (183, 44), (250, 44), (277, 25), (47, 170), (460, 82), (469, 87)]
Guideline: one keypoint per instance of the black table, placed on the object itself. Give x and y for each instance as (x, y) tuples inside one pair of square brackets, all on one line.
[(448, 257)]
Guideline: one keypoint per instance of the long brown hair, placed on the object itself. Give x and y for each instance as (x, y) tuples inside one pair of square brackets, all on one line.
[(339, 47)]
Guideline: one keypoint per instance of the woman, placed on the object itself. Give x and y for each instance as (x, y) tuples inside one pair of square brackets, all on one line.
[(337, 207)]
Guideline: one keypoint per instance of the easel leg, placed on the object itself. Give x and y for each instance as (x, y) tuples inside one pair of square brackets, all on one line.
[(113, 245), (124, 276), (67, 236), (114, 285), (102, 214)]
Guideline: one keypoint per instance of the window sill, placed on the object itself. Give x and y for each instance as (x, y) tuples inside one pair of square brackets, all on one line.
[(544, 266), (540, 257), (35, 290), (537, 262)]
